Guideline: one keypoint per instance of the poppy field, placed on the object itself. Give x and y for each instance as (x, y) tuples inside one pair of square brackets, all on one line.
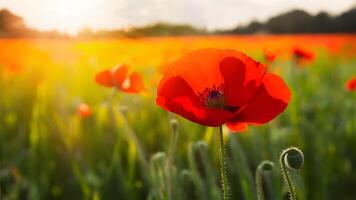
[(141, 118)]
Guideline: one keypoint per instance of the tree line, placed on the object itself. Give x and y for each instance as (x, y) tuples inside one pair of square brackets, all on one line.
[(295, 21), (299, 21)]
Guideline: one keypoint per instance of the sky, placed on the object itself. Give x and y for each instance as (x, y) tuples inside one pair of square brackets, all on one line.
[(73, 15)]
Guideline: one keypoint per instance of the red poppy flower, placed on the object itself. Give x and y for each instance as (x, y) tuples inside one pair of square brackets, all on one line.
[(14, 68), (269, 56), (351, 84), (118, 77), (302, 54), (213, 87), (83, 110)]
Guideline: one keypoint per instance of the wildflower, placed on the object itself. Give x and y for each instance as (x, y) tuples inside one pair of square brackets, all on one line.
[(269, 56), (118, 77), (212, 87), (350, 85), (83, 110), (303, 55)]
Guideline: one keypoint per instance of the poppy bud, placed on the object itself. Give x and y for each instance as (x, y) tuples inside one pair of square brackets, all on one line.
[(187, 185), (174, 125), (158, 158), (158, 172), (200, 146), (174, 139), (266, 165), (185, 175), (198, 156), (291, 158), (294, 158)]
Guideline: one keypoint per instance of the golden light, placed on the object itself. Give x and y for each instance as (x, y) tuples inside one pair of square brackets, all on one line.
[(69, 15)]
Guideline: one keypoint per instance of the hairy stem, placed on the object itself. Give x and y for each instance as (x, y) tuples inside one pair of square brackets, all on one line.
[(170, 160), (286, 176), (223, 171), (264, 166), (260, 195)]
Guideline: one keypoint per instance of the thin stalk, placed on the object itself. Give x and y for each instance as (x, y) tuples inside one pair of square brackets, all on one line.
[(129, 132), (223, 171), (132, 135), (264, 166), (286, 176), (259, 187), (170, 160)]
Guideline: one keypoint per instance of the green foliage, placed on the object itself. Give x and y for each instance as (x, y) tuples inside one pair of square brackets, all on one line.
[(48, 152)]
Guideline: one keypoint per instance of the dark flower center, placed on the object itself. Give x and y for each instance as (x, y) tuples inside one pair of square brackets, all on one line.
[(214, 98)]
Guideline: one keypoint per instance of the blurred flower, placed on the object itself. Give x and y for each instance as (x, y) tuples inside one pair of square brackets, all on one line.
[(333, 46), (118, 77), (302, 55), (213, 87), (133, 83), (83, 110), (269, 56), (113, 77), (14, 68), (351, 84)]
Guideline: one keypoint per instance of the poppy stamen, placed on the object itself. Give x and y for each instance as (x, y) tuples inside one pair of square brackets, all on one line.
[(213, 97)]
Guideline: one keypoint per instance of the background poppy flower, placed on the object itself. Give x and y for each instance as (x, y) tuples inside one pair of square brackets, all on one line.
[(112, 78), (213, 87), (133, 83), (351, 84), (118, 77), (83, 110), (302, 54), (269, 56)]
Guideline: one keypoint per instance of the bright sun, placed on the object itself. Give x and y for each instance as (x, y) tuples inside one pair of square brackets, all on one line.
[(69, 15)]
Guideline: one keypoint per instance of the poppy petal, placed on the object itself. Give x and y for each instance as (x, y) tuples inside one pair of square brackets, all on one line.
[(200, 69), (113, 77), (177, 96), (242, 79), (133, 84), (303, 53), (104, 78), (271, 100), (236, 127), (119, 74), (351, 84), (83, 110)]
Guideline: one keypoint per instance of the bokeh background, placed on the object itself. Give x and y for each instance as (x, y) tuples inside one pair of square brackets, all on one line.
[(63, 136)]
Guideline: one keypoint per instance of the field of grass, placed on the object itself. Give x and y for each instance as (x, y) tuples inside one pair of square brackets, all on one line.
[(127, 149)]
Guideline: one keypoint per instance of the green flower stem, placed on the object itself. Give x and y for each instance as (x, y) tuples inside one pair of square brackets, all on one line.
[(170, 160), (265, 166), (223, 171), (286, 176), (259, 187), (130, 134)]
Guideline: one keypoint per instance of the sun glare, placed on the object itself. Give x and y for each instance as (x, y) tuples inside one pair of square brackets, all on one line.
[(70, 16)]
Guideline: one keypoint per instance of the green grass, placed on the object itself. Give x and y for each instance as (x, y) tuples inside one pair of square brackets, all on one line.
[(48, 152)]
